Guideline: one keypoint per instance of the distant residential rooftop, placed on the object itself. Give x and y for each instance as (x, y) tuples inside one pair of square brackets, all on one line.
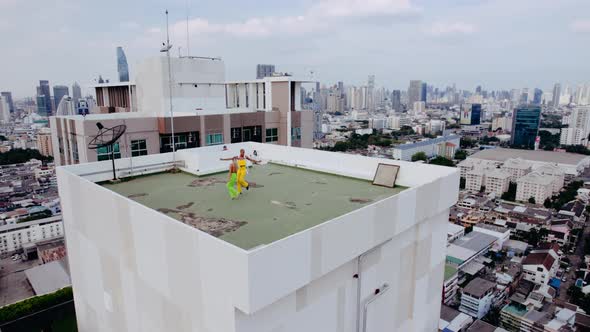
[(502, 154), (282, 200)]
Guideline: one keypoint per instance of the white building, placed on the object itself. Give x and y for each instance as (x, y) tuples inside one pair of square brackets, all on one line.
[(503, 122), (570, 163), (454, 232), (540, 266), (4, 110), (477, 297), (534, 185), (419, 107), (398, 121), (14, 236), (432, 147), (136, 269), (517, 168), (497, 181), (578, 127), (556, 173), (475, 179)]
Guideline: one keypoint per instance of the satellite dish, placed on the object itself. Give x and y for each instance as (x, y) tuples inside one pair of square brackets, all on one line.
[(107, 137)]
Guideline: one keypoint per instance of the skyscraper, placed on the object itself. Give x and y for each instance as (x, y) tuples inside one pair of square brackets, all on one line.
[(537, 96), (122, 67), (76, 92), (43, 107), (264, 71), (423, 92), (556, 94), (371, 93), (525, 126), (8, 96), (4, 110), (414, 93), (396, 103), (44, 91), (59, 91)]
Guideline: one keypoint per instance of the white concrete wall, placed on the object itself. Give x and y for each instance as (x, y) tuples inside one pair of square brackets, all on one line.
[(136, 269)]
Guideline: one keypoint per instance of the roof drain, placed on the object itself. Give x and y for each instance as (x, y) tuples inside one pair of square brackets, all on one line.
[(358, 276), (376, 295)]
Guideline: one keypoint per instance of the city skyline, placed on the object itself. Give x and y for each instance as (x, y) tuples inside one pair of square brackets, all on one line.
[(402, 40)]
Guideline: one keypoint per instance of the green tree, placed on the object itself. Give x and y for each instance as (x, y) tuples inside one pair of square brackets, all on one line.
[(442, 161), (419, 156), (532, 200), (548, 140), (18, 156), (547, 203), (577, 149), (340, 146), (461, 155), (467, 143)]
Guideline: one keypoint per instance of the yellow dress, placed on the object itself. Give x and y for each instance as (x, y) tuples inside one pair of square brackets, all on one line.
[(242, 175)]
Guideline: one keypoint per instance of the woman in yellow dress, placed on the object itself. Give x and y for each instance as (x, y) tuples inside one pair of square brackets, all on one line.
[(242, 169)]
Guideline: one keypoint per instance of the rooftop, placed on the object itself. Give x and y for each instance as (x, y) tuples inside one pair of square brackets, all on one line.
[(478, 287), (501, 154), (282, 201)]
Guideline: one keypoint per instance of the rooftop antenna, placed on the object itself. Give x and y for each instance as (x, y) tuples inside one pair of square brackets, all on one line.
[(107, 137), (166, 49), (188, 45)]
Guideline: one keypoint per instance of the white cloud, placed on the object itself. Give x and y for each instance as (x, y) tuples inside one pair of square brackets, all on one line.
[(451, 28), (581, 25), (324, 15)]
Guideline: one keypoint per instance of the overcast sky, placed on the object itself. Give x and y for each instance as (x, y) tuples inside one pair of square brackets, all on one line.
[(496, 43)]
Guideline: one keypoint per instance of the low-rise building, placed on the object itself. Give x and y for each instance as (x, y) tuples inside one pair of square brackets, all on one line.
[(14, 236), (540, 265), (477, 297), (452, 320)]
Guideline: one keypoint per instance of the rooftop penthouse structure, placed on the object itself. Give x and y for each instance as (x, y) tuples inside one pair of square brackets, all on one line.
[(205, 108), (313, 245)]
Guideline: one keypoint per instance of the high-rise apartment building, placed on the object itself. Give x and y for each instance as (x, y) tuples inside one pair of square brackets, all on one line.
[(578, 127), (59, 91), (122, 66), (525, 126), (537, 96), (8, 96), (4, 110), (76, 92), (152, 262), (44, 91), (44, 144), (556, 94), (263, 71), (414, 93), (371, 93)]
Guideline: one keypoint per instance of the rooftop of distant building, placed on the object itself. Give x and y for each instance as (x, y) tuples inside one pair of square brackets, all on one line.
[(502, 154)]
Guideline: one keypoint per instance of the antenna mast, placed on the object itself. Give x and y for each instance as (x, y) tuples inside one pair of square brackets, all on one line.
[(188, 45)]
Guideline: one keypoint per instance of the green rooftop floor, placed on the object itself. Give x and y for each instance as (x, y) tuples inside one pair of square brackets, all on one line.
[(282, 201)]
